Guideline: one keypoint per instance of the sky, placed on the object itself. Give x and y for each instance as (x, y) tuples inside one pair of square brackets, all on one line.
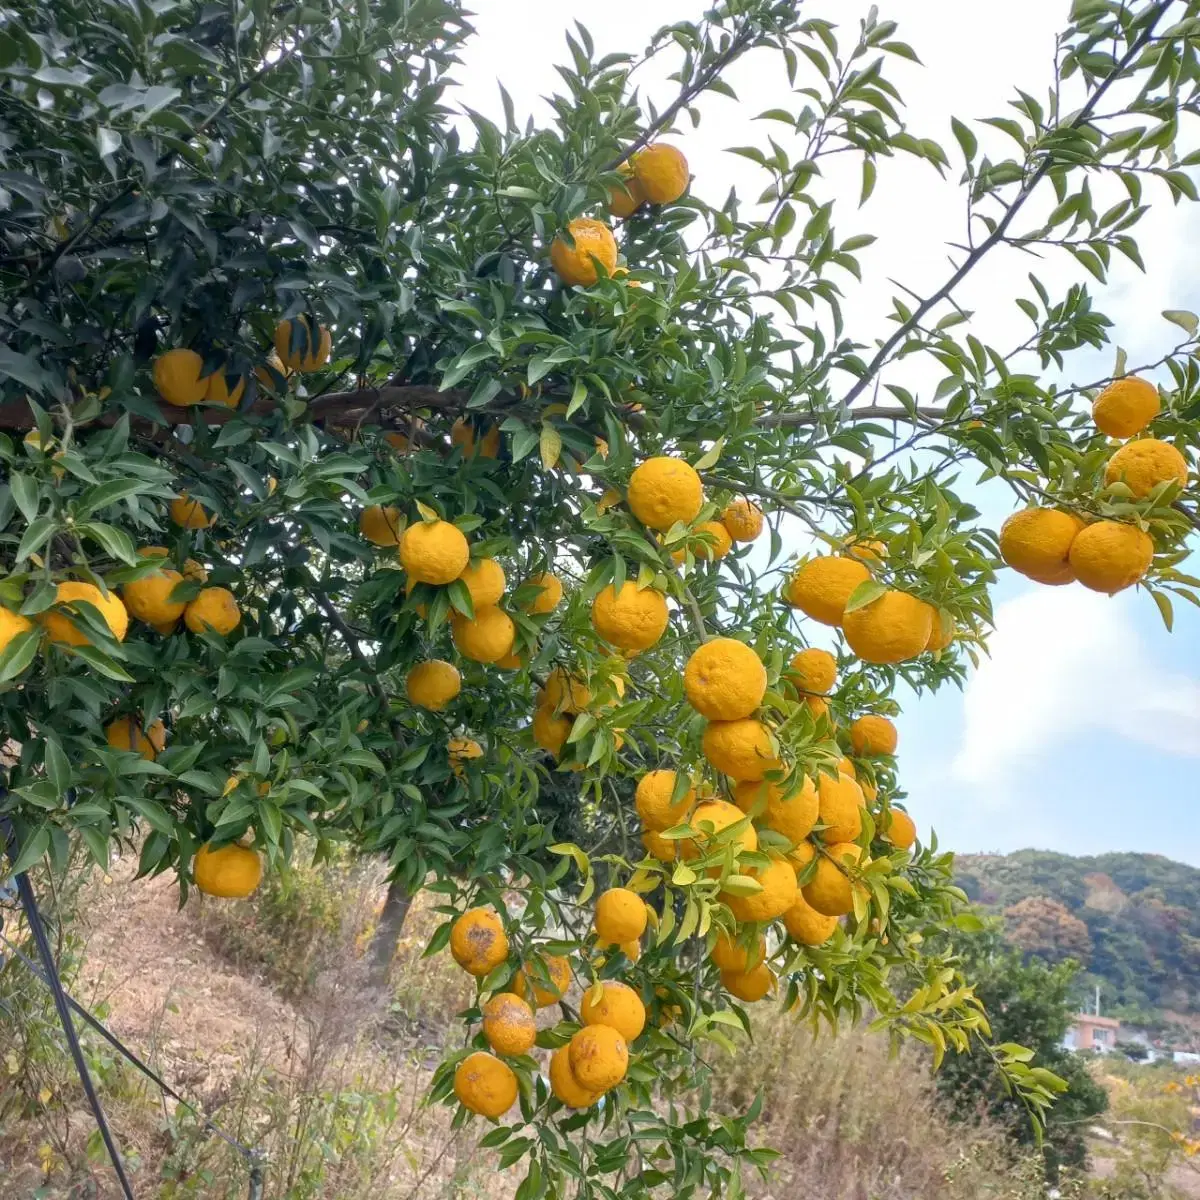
[(1081, 732)]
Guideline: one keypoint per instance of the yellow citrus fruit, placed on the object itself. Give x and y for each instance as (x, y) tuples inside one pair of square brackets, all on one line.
[(478, 942), (630, 619), (1142, 465), (312, 347), (872, 734), (778, 881), (508, 1024), (632, 950), (190, 514), (1109, 556), (898, 828), (149, 598), (801, 854), (148, 741), (179, 377), (1126, 407), (664, 490), (462, 433), (813, 670), (551, 730), (194, 571), (228, 872), (792, 813), (462, 751), (619, 1007), (154, 552), (1037, 542), (749, 986), (434, 552), (11, 624), (610, 499), (593, 242), (807, 926), (564, 693), (740, 749), (866, 549), (942, 632), (707, 549), (599, 1057), (729, 954), (743, 519), (218, 390), (487, 636), (510, 662), (548, 990), (432, 684), (822, 587), (830, 891), (662, 173), (214, 608), (724, 680), (892, 629), (657, 846), (566, 1088), (62, 629), (549, 595), (485, 581), (620, 916), (720, 815), (653, 800), (840, 808), (625, 198), (272, 382), (381, 524), (484, 1085)]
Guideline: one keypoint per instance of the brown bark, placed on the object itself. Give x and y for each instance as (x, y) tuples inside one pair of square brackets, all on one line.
[(387, 932)]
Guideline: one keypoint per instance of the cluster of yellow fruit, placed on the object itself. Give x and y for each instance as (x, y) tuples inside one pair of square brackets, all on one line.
[(1053, 546), (565, 696)]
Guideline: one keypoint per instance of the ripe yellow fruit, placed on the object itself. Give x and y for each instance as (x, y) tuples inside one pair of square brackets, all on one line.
[(866, 549), (550, 730), (478, 942), (662, 173), (149, 598), (434, 552), (807, 926), (620, 916), (664, 490), (508, 1024), (892, 629), (271, 382), (1109, 556), (1037, 542), (214, 608), (487, 636), (179, 377), (942, 632), (381, 524), (484, 1085), (792, 813), (228, 872), (813, 671), (778, 880), (740, 749), (564, 693), (550, 595), (657, 846), (1144, 464), (625, 198), (11, 624), (485, 581), (619, 1007), (194, 571), (190, 514), (711, 549), (312, 347), (510, 662), (461, 751), (463, 434), (898, 828), (730, 955), (830, 891), (610, 499), (599, 1057), (801, 854), (653, 801), (566, 1088), (1126, 407), (148, 741), (743, 519), (872, 734), (822, 587), (630, 619), (433, 684), (721, 815), (840, 808), (749, 986), (218, 390), (724, 680), (593, 242), (61, 628), (550, 991)]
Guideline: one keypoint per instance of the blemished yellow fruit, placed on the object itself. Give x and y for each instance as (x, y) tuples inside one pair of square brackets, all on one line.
[(807, 926), (729, 954), (743, 519), (619, 1007), (433, 684), (149, 598), (625, 198), (749, 986), (778, 881), (892, 629), (485, 637), (712, 548), (840, 808), (179, 378), (1126, 407), (830, 891), (1109, 556), (653, 800), (461, 751), (620, 916), (148, 741), (659, 847), (214, 608), (564, 693), (1036, 542), (218, 389), (724, 680), (478, 942), (194, 571), (228, 872), (631, 619), (792, 813), (1142, 465), (551, 730), (664, 490), (11, 624), (549, 596), (566, 1088), (485, 581), (463, 434), (898, 828), (549, 990), (599, 1057), (381, 524), (942, 632), (740, 749), (872, 734), (508, 1024), (60, 627), (434, 552), (312, 347), (720, 815), (822, 587), (593, 242), (190, 514), (484, 1085), (662, 173), (813, 671)]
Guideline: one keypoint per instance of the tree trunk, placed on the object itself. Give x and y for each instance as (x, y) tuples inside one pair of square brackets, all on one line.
[(387, 933)]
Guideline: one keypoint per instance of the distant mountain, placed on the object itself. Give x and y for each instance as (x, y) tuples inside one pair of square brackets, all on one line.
[(1132, 920)]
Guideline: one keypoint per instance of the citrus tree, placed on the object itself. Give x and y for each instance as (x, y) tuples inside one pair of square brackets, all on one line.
[(489, 500)]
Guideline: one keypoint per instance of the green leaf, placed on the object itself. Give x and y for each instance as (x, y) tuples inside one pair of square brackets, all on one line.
[(1185, 320), (58, 766), (968, 142), (31, 850), (19, 653), (866, 593)]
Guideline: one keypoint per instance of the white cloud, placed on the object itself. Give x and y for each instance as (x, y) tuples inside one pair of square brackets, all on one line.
[(1066, 662)]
